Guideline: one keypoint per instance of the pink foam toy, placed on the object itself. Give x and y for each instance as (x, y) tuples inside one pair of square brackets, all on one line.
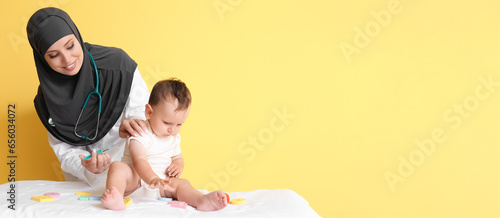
[(53, 194), (178, 204)]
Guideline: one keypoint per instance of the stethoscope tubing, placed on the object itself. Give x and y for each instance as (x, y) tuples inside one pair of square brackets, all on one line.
[(95, 92)]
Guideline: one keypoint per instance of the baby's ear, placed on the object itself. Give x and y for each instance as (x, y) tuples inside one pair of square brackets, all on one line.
[(148, 111)]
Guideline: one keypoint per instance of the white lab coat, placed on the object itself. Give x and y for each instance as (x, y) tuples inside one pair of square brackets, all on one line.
[(68, 154)]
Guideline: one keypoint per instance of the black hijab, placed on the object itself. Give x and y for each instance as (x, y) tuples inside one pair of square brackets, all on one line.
[(61, 97)]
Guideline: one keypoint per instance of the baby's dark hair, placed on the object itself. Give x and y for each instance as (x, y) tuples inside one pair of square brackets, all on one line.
[(172, 87)]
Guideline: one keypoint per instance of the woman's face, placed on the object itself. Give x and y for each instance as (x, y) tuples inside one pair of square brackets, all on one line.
[(65, 56)]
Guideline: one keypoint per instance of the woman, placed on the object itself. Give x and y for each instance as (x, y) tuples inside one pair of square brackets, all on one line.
[(86, 91)]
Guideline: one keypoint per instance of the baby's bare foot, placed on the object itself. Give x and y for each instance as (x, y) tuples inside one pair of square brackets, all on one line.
[(112, 199), (212, 201)]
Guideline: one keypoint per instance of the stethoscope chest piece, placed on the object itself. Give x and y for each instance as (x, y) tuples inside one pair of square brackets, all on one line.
[(51, 122)]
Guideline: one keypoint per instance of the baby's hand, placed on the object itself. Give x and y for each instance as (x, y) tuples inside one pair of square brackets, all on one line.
[(174, 170), (160, 183)]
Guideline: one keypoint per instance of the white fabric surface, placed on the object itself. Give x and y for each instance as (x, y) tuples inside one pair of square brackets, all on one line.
[(259, 203)]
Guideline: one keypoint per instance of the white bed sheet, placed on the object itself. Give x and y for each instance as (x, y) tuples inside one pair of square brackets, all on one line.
[(259, 203)]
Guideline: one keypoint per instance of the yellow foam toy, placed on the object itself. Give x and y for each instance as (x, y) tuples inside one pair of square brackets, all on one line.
[(127, 201), (237, 201), (83, 193), (42, 198)]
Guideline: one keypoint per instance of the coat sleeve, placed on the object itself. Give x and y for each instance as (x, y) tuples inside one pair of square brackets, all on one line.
[(70, 162), (137, 99)]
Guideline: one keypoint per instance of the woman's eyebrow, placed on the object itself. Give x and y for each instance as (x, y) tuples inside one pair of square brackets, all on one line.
[(68, 41)]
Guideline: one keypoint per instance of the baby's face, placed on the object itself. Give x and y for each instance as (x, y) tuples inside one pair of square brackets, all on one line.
[(164, 120)]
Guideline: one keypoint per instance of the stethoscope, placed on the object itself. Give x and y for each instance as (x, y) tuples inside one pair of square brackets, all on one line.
[(95, 92)]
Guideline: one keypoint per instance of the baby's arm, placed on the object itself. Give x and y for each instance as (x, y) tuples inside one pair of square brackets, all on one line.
[(175, 169), (142, 167)]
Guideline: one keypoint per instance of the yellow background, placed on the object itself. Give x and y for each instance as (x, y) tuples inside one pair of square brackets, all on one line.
[(356, 115)]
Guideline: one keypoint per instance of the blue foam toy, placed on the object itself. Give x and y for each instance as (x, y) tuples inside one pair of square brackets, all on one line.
[(165, 199), (89, 198)]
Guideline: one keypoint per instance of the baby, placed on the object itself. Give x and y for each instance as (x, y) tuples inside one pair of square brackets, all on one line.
[(147, 159)]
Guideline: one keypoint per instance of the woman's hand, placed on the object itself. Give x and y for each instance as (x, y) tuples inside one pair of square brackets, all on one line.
[(97, 163), (132, 127)]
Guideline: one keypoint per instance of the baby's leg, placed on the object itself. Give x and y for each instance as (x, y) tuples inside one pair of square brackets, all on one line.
[(185, 192), (121, 179)]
